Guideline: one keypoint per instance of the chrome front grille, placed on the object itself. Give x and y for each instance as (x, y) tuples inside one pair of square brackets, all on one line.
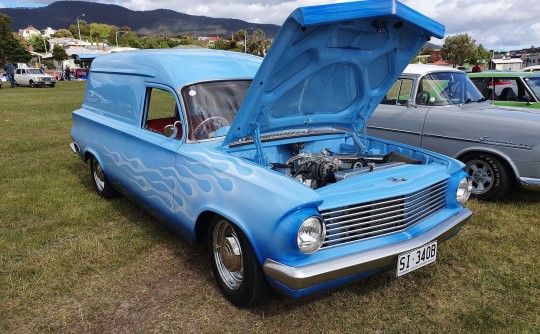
[(362, 221)]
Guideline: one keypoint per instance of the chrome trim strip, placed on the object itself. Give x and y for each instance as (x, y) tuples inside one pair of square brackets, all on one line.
[(452, 138), (529, 183), (394, 130), (303, 277)]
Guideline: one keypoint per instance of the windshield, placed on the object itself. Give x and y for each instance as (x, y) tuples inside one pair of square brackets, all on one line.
[(534, 85), (445, 88), (212, 106), (34, 71)]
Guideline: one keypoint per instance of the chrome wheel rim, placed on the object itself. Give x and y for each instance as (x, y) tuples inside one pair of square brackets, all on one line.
[(482, 176), (228, 255), (99, 176)]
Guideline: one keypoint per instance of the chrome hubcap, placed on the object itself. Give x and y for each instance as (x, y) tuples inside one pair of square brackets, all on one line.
[(99, 176), (482, 176), (228, 255)]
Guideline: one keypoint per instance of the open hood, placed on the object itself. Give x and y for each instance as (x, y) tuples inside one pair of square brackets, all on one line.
[(331, 65)]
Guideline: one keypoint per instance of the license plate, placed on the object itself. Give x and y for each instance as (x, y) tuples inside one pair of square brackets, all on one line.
[(416, 258)]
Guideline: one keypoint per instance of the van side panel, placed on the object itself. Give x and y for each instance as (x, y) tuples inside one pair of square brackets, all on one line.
[(119, 96)]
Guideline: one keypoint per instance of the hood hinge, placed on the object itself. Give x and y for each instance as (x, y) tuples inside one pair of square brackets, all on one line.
[(255, 133), (360, 142)]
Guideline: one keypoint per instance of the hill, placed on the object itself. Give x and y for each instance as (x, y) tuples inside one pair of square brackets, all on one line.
[(61, 14)]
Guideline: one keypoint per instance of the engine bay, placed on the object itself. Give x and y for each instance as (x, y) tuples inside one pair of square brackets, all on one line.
[(317, 170)]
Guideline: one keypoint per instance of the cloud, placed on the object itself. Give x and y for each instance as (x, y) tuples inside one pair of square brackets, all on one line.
[(496, 24)]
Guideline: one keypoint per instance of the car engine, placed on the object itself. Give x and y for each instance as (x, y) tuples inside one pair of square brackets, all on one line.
[(317, 170)]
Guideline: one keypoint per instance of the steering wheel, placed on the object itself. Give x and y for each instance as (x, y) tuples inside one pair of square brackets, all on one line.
[(202, 130), (423, 98)]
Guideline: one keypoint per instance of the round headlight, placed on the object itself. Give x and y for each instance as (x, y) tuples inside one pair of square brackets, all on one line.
[(310, 235), (464, 190)]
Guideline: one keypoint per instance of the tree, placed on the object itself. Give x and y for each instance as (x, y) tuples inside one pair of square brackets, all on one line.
[(100, 32), (222, 44), (10, 47), (83, 27), (62, 33), (482, 53), (39, 43), (59, 53), (458, 49), (258, 44)]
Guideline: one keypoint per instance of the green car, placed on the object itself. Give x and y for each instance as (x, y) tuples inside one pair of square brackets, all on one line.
[(515, 89)]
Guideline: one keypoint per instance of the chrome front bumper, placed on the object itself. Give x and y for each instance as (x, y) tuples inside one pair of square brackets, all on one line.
[(529, 183), (298, 278)]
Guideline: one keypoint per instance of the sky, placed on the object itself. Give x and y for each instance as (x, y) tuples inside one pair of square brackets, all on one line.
[(497, 24)]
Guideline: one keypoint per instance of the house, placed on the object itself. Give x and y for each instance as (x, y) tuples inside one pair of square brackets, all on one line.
[(531, 59), (506, 64), (47, 32), (67, 42), (209, 40), (28, 32)]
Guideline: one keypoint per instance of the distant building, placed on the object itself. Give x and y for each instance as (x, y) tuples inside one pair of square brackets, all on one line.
[(506, 64), (531, 59), (29, 32), (209, 40), (67, 42), (47, 32)]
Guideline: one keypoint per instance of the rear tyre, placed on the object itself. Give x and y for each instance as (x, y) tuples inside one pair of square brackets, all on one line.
[(491, 178), (101, 184), (236, 268)]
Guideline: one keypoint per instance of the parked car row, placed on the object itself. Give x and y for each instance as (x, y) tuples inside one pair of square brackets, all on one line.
[(440, 109), (267, 161)]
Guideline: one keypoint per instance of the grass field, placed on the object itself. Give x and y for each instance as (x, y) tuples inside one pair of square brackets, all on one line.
[(73, 263)]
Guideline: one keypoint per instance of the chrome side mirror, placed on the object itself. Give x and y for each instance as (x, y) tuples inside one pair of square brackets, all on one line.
[(171, 130)]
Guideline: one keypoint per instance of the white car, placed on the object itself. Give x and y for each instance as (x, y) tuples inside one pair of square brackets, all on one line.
[(534, 68), (33, 77)]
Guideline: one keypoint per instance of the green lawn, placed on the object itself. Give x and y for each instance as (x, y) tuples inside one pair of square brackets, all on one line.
[(73, 263)]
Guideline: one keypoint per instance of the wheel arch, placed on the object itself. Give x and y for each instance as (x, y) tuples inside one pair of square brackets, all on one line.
[(503, 158), (202, 225)]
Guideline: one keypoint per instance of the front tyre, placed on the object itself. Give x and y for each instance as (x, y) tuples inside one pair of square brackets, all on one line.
[(32, 84), (101, 184), (491, 178), (236, 268)]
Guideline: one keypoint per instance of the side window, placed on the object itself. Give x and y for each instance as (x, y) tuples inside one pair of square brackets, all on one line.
[(508, 89), (399, 93), (161, 111)]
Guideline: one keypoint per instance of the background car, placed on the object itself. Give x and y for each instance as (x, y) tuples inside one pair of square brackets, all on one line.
[(516, 89), (534, 68), (263, 160), (33, 77), (440, 109)]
